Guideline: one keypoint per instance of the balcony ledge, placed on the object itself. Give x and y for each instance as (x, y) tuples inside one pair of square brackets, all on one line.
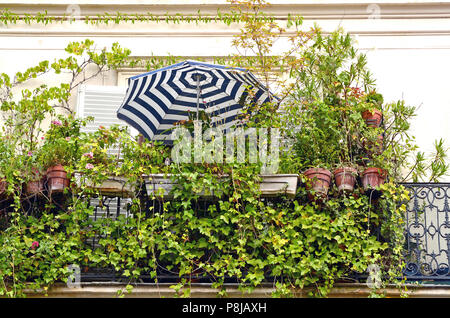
[(204, 290)]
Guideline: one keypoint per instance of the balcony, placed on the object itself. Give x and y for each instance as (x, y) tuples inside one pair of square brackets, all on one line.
[(234, 228), (426, 246)]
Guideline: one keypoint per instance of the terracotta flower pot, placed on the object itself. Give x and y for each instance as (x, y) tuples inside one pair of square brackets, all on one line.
[(35, 186), (320, 180), (372, 178), (37, 183), (372, 117), (57, 179), (345, 178)]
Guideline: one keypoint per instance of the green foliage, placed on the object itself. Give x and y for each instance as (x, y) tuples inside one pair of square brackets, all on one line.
[(318, 141), (61, 144), (217, 224)]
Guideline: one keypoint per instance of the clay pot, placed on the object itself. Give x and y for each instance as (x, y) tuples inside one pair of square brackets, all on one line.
[(320, 180), (372, 178), (372, 117), (57, 179), (37, 183), (35, 186), (345, 178)]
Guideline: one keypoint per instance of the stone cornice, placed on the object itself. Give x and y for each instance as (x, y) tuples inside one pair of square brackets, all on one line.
[(315, 10), (370, 18)]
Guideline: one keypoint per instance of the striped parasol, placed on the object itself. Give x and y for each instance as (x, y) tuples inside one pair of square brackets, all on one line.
[(157, 100)]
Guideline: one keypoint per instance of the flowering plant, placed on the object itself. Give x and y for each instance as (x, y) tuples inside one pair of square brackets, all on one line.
[(61, 142)]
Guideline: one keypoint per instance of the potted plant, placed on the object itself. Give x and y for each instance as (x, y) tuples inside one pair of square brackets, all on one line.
[(375, 172), (319, 180), (316, 144), (373, 145), (33, 173), (372, 117), (59, 151), (36, 183), (372, 178), (56, 173), (345, 177), (372, 112), (99, 170)]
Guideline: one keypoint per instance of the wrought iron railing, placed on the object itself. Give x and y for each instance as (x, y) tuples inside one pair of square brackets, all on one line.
[(427, 232), (427, 229)]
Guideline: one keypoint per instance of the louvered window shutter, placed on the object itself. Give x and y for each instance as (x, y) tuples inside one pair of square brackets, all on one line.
[(102, 102)]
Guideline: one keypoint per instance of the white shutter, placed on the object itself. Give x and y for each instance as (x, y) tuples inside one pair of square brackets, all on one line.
[(102, 103)]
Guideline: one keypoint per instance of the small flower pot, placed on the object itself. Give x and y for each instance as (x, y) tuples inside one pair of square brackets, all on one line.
[(35, 187), (320, 180), (57, 179), (345, 178), (372, 178), (372, 117), (37, 183)]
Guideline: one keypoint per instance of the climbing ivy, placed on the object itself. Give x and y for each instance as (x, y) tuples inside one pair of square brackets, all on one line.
[(236, 234)]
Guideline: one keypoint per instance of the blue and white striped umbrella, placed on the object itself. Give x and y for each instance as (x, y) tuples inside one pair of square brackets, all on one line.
[(157, 100)]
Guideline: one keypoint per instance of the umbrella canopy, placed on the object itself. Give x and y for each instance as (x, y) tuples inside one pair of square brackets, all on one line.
[(157, 100)]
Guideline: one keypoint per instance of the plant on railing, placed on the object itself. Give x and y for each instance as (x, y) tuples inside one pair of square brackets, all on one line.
[(336, 117)]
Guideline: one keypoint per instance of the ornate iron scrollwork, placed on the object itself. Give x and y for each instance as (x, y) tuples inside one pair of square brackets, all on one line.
[(427, 231)]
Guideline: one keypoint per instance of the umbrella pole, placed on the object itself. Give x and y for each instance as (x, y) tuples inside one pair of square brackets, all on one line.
[(198, 93)]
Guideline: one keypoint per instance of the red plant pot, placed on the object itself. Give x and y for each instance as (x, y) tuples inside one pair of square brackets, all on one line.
[(372, 178), (320, 180), (345, 178), (35, 186), (372, 117), (57, 179)]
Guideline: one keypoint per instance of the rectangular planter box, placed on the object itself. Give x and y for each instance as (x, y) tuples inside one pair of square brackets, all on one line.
[(271, 185), (276, 184), (114, 186)]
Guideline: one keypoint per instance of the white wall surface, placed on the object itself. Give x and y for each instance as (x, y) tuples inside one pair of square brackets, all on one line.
[(407, 42)]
